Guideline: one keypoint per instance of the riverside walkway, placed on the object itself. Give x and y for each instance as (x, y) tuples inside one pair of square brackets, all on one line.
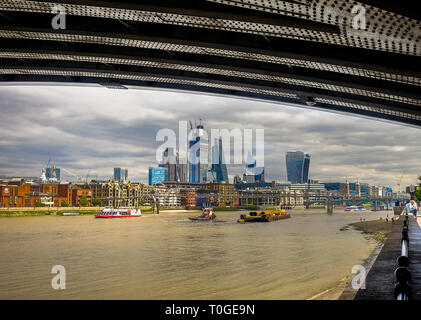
[(380, 281)]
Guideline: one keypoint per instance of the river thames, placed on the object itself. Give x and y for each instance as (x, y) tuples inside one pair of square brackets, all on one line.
[(167, 256)]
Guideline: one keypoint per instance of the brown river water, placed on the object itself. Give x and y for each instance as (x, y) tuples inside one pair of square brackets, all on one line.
[(167, 256)]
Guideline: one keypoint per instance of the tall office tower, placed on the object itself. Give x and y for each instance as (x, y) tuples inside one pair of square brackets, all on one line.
[(157, 175), (219, 166), (182, 170), (176, 171), (253, 174), (298, 166), (163, 163), (172, 166), (121, 175), (170, 163), (58, 174), (250, 166), (198, 155)]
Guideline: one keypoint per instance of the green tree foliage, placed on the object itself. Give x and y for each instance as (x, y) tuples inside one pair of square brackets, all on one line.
[(83, 201), (65, 204), (417, 195), (39, 205), (96, 202)]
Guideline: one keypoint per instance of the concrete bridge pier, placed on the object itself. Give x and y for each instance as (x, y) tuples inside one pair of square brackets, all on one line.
[(329, 206)]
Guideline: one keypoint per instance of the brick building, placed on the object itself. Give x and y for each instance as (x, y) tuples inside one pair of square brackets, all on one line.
[(13, 194), (18, 194)]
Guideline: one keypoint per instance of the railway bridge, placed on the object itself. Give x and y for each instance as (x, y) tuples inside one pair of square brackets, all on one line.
[(355, 57)]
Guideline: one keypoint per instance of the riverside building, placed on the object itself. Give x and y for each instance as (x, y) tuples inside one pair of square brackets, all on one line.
[(19, 194)]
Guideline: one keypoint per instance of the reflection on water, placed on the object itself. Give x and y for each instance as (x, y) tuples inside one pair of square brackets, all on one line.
[(170, 257)]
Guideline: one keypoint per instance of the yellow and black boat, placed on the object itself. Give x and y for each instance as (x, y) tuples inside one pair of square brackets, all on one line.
[(264, 216)]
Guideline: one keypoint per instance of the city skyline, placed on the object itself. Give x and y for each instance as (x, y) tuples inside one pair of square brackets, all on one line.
[(88, 133)]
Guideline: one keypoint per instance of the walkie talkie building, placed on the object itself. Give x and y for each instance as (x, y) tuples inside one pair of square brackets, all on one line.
[(298, 166)]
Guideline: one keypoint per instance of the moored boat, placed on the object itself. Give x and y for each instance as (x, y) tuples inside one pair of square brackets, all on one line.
[(207, 215), (108, 213), (264, 216), (67, 214), (354, 209)]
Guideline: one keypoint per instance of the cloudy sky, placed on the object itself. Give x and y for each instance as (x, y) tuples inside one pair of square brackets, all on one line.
[(92, 130)]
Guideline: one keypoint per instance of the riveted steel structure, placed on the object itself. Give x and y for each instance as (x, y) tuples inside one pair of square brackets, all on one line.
[(361, 57)]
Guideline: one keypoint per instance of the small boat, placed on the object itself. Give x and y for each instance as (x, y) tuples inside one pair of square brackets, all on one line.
[(207, 215), (67, 214), (108, 213), (264, 216), (354, 209)]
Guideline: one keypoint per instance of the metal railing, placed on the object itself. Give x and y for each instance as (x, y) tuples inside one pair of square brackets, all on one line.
[(402, 274)]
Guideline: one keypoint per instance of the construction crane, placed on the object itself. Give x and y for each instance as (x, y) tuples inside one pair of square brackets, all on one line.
[(400, 181)]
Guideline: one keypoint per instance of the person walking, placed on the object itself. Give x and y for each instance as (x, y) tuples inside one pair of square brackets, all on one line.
[(412, 207)]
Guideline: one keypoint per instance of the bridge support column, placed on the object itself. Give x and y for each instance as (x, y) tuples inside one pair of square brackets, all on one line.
[(329, 206)]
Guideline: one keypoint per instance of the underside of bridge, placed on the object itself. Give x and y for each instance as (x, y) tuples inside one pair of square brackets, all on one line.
[(307, 52)]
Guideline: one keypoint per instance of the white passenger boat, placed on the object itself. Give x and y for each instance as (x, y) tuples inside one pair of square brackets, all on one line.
[(109, 212)]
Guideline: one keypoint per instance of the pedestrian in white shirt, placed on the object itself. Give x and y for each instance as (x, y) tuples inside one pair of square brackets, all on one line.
[(412, 207)]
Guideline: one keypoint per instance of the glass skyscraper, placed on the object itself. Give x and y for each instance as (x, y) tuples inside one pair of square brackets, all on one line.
[(170, 163), (121, 175), (298, 166), (198, 155), (219, 166), (253, 174), (182, 170), (157, 175)]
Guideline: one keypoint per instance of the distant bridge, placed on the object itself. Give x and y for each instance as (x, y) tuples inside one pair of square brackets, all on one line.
[(359, 201), (302, 52)]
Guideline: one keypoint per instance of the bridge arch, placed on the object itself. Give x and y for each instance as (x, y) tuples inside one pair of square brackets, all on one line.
[(302, 53)]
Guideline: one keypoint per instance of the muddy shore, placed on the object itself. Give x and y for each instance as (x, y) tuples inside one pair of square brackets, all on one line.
[(377, 230)]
